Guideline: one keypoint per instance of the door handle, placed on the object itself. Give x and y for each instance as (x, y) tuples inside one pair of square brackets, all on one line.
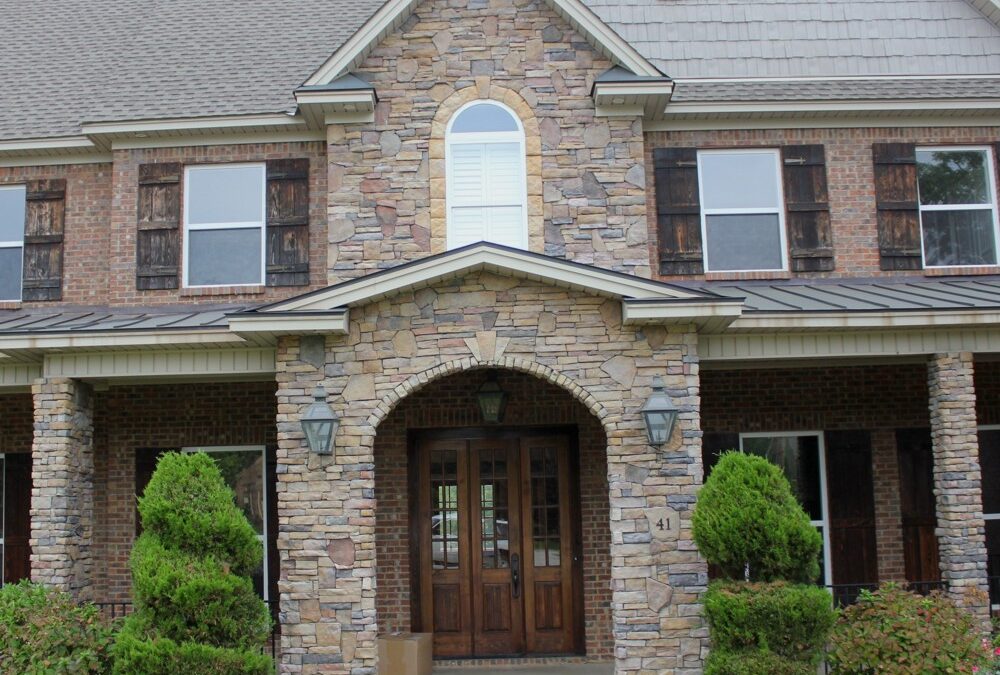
[(515, 574)]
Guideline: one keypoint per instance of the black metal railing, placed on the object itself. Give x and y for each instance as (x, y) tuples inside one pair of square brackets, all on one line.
[(113, 611)]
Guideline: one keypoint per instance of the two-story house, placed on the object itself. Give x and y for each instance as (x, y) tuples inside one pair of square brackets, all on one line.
[(484, 228)]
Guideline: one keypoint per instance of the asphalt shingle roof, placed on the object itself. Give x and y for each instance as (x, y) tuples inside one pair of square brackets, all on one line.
[(70, 61)]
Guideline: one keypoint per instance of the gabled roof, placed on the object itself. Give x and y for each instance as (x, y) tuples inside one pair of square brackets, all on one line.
[(643, 300)]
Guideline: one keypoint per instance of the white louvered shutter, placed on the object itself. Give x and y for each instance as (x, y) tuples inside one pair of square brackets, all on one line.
[(486, 194)]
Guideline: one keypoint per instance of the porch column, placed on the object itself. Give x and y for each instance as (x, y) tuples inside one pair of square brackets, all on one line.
[(62, 495), (961, 530)]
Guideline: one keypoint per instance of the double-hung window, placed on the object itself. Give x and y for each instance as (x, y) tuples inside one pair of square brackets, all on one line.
[(224, 224), (243, 468), (958, 213), (742, 212), (12, 207), (802, 458)]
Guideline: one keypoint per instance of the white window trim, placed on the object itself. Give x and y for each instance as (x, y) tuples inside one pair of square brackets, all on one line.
[(209, 449), (824, 503), (20, 294), (486, 138), (235, 225), (991, 204), (779, 209)]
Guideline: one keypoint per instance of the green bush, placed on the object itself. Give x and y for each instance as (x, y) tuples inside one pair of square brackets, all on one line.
[(746, 662), (196, 609), (895, 632), (747, 519), (45, 631), (788, 620)]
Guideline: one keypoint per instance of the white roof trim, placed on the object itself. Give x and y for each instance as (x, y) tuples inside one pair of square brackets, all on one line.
[(827, 107), (801, 321), (103, 339), (481, 256), (395, 12), (989, 8), (113, 134), (289, 324)]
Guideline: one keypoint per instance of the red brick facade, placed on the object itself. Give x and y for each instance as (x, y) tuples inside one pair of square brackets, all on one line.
[(850, 177), (448, 403)]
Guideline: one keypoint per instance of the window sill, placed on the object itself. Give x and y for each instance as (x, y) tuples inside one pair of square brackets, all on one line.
[(255, 289), (961, 271), (11, 304), (746, 276)]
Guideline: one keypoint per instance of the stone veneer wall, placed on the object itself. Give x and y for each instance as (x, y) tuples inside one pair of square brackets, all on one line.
[(62, 494), (957, 479), (395, 346), (586, 182), (451, 402)]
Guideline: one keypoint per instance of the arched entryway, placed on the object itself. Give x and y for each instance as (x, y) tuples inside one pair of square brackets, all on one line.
[(494, 537)]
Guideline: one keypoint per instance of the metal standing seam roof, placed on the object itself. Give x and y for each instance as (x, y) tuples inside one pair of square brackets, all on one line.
[(104, 319), (66, 62), (869, 295)]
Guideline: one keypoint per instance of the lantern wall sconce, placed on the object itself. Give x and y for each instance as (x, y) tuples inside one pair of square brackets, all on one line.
[(660, 414), (492, 399), (320, 424)]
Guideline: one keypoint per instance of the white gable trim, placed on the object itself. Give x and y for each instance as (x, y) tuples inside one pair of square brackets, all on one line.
[(989, 8), (499, 259), (394, 12)]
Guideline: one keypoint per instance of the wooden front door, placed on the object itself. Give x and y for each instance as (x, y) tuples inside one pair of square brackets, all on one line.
[(16, 530), (495, 544), (918, 509)]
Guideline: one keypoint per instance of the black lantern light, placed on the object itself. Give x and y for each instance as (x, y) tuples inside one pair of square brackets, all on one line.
[(492, 399), (320, 424), (660, 414)]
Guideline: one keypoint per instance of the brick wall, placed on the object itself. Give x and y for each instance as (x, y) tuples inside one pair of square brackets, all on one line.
[(450, 402), (169, 417), (850, 177), (99, 254)]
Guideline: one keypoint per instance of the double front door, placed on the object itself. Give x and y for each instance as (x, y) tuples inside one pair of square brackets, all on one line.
[(496, 544)]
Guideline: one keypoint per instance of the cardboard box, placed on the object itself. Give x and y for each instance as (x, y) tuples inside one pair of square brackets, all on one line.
[(405, 654)]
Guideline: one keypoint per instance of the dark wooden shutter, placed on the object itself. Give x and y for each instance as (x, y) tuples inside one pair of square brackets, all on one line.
[(896, 200), (678, 210), (17, 509), (918, 509), (44, 224), (288, 222), (807, 206), (851, 497), (158, 251)]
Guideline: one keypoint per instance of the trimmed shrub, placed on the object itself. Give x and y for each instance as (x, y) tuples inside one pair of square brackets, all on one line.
[(788, 620), (45, 631), (748, 520), (894, 631), (196, 609), (722, 662)]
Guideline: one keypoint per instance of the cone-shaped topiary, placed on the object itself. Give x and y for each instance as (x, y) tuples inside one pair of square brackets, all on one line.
[(748, 523), (196, 609), (747, 519)]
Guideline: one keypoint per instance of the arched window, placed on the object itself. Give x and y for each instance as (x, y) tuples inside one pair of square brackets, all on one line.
[(486, 179)]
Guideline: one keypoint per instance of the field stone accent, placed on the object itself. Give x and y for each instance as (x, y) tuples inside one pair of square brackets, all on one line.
[(319, 502), (341, 552), (961, 530)]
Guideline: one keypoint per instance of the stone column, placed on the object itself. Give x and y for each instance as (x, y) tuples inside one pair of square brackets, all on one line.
[(326, 524), (961, 530), (62, 495)]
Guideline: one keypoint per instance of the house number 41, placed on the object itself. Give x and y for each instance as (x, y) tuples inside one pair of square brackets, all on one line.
[(664, 523)]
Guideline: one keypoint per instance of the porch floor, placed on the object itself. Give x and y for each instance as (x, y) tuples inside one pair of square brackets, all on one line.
[(542, 669)]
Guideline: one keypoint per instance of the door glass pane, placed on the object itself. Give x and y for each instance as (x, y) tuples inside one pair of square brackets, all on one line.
[(798, 457), (744, 242), (224, 257), (444, 509), (494, 502), (962, 237), (545, 507)]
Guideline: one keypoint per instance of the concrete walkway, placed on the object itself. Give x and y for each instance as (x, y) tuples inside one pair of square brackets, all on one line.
[(553, 669)]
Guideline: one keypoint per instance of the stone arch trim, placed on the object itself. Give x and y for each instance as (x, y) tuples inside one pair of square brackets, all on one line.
[(420, 380), (484, 89)]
